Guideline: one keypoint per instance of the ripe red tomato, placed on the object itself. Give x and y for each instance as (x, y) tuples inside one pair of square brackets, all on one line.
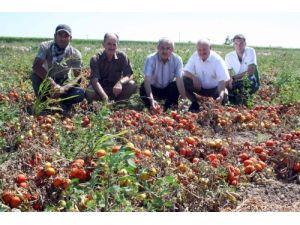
[(258, 149), (58, 181), (15, 201), (189, 152), (297, 167), (234, 182), (263, 156), (248, 162), (182, 151), (211, 157), (21, 178), (115, 149), (243, 156), (6, 196), (249, 169), (215, 163), (270, 143), (172, 154), (190, 140), (23, 184)]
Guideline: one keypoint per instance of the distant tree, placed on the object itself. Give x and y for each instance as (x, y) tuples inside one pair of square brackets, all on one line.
[(228, 40)]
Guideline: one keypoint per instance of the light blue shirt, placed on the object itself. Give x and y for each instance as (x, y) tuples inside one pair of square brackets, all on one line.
[(162, 73)]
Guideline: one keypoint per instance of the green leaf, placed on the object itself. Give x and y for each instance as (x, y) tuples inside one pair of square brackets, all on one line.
[(170, 180), (131, 163)]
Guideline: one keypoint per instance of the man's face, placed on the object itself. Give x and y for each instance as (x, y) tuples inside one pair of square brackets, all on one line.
[(62, 39), (165, 50), (203, 51), (110, 45), (239, 45)]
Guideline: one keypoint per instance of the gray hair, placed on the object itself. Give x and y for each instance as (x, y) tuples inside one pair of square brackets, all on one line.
[(204, 41), (107, 35), (166, 40)]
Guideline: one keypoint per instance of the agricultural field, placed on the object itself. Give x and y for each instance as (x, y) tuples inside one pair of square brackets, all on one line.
[(119, 157)]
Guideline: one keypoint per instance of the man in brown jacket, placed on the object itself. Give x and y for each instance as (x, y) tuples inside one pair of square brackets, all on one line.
[(111, 73)]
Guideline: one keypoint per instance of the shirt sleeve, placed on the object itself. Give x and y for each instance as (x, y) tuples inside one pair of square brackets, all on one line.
[(228, 61), (222, 72), (42, 52), (95, 73), (126, 68), (252, 58), (148, 66), (179, 66), (75, 60), (190, 66)]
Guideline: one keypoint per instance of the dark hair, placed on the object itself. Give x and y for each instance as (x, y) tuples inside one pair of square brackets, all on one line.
[(110, 34), (239, 36)]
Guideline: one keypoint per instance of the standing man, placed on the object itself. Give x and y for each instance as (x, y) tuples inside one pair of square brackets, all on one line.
[(54, 61), (163, 77), (242, 64), (111, 73), (205, 74)]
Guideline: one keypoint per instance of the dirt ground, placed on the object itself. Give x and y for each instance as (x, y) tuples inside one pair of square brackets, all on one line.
[(270, 196)]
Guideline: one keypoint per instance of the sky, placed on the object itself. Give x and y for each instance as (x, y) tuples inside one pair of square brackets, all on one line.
[(273, 25), (276, 29)]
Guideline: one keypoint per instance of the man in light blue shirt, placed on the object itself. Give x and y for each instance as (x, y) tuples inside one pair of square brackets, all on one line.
[(163, 77)]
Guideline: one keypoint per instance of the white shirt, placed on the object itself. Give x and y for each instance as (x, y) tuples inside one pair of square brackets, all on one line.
[(162, 73), (210, 72), (232, 60)]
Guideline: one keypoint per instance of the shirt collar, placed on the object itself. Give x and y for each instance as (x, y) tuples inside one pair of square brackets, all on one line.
[(158, 56), (244, 54), (208, 59), (104, 56)]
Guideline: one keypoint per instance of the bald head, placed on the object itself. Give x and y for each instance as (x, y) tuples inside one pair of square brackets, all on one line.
[(110, 36), (110, 44), (203, 48), (204, 41)]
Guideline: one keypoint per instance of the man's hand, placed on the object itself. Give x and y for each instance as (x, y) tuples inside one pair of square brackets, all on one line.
[(220, 99), (57, 89), (154, 106), (104, 97), (117, 89), (251, 69)]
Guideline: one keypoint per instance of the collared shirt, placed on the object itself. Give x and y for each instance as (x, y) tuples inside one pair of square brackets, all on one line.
[(110, 72), (232, 60), (210, 71), (162, 73), (71, 58)]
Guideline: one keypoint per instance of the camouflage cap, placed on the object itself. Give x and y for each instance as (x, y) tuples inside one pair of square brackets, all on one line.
[(63, 27)]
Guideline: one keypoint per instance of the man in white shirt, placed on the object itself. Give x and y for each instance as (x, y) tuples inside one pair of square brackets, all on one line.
[(242, 64), (163, 77), (205, 74)]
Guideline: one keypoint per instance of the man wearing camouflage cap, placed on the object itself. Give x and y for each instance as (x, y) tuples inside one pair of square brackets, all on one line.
[(54, 61)]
